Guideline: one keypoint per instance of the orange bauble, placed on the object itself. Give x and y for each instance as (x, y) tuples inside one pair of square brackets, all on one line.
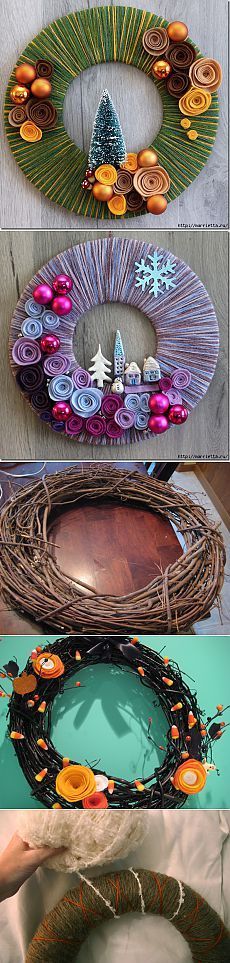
[(19, 95), (190, 777), (102, 192), (41, 88), (25, 73), (147, 158), (156, 204), (161, 69), (177, 31), (48, 666)]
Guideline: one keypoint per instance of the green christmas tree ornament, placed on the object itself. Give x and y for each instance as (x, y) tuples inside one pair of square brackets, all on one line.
[(107, 141)]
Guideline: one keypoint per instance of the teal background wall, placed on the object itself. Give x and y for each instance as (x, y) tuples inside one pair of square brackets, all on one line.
[(105, 721)]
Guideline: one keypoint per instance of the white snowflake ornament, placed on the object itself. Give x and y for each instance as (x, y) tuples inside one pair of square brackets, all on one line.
[(154, 274), (100, 368)]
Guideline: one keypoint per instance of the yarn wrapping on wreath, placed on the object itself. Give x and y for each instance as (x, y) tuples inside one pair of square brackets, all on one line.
[(137, 891)]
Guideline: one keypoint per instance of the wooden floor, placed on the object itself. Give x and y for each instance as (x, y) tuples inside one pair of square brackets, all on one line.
[(139, 106), (204, 436)]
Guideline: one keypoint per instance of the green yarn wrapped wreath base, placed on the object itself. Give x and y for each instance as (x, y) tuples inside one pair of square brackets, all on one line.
[(55, 165), (63, 931)]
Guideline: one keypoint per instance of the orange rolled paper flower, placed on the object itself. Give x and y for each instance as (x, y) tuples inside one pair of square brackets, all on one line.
[(75, 782), (96, 801), (106, 174), (117, 204), (206, 73), (130, 164), (190, 777), (48, 666), (148, 181), (30, 132), (195, 102)]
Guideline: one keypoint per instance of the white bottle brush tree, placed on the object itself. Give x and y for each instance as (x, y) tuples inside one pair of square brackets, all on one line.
[(100, 368), (107, 141)]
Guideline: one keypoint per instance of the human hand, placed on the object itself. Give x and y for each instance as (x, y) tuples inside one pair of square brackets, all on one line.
[(17, 863)]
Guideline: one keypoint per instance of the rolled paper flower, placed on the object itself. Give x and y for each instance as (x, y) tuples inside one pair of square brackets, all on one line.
[(81, 378), (181, 378), (46, 416), (206, 73), (31, 328), (44, 69), (74, 425), (56, 364), (39, 399), (155, 41), (102, 782), (106, 174), (50, 321), (124, 418), (132, 402), (48, 666), (190, 777), (151, 180), (86, 401), (96, 801), (144, 402), (177, 84), (141, 420), (60, 388), (130, 163), (31, 378), (42, 113), (165, 383), (26, 351), (17, 116), (124, 182), (74, 783), (181, 56), (113, 430), (134, 201), (96, 426), (174, 396), (110, 404), (195, 102), (117, 205), (30, 132), (34, 309), (58, 426)]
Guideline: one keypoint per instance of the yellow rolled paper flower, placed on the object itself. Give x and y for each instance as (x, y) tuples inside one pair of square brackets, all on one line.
[(190, 777), (106, 174), (30, 132), (195, 102), (206, 73), (75, 782)]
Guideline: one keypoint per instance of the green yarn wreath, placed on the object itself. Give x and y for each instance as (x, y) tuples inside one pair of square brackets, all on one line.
[(63, 931), (55, 165)]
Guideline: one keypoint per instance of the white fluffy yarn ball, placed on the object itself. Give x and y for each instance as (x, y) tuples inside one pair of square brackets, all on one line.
[(90, 838)]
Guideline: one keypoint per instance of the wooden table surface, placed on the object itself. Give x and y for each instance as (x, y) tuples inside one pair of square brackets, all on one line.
[(204, 436), (204, 204)]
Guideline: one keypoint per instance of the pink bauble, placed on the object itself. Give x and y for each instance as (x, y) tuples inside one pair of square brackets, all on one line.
[(43, 294), (61, 305), (61, 411), (62, 284), (49, 343), (158, 403), (158, 424), (178, 414)]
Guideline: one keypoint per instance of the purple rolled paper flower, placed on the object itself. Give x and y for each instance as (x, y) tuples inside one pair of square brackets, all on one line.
[(96, 426), (181, 378), (110, 404), (174, 396), (30, 378), (57, 364), (124, 418), (165, 383), (58, 425), (39, 399), (26, 351), (74, 425), (46, 416), (81, 378), (113, 430)]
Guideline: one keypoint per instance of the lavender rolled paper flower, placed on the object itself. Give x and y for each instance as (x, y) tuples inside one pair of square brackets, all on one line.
[(181, 378), (33, 309), (96, 426), (30, 378), (39, 399), (144, 402), (81, 378), (141, 420), (26, 351), (32, 328), (50, 321), (74, 425), (124, 418), (132, 402), (56, 365), (110, 404), (60, 388), (86, 401), (174, 396)]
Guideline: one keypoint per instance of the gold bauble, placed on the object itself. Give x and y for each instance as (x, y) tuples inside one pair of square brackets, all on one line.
[(102, 192), (161, 69), (192, 134), (41, 88), (25, 73), (177, 31), (156, 204), (185, 123), (147, 157), (19, 95)]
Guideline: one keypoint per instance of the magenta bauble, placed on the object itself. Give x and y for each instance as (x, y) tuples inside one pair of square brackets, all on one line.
[(43, 294), (62, 284), (178, 414), (61, 411), (158, 403), (49, 343), (61, 305), (158, 424)]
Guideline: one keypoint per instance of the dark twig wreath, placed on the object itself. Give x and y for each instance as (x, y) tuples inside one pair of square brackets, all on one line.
[(33, 582), (188, 741)]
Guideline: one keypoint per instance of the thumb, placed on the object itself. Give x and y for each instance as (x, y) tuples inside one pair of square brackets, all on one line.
[(36, 857)]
